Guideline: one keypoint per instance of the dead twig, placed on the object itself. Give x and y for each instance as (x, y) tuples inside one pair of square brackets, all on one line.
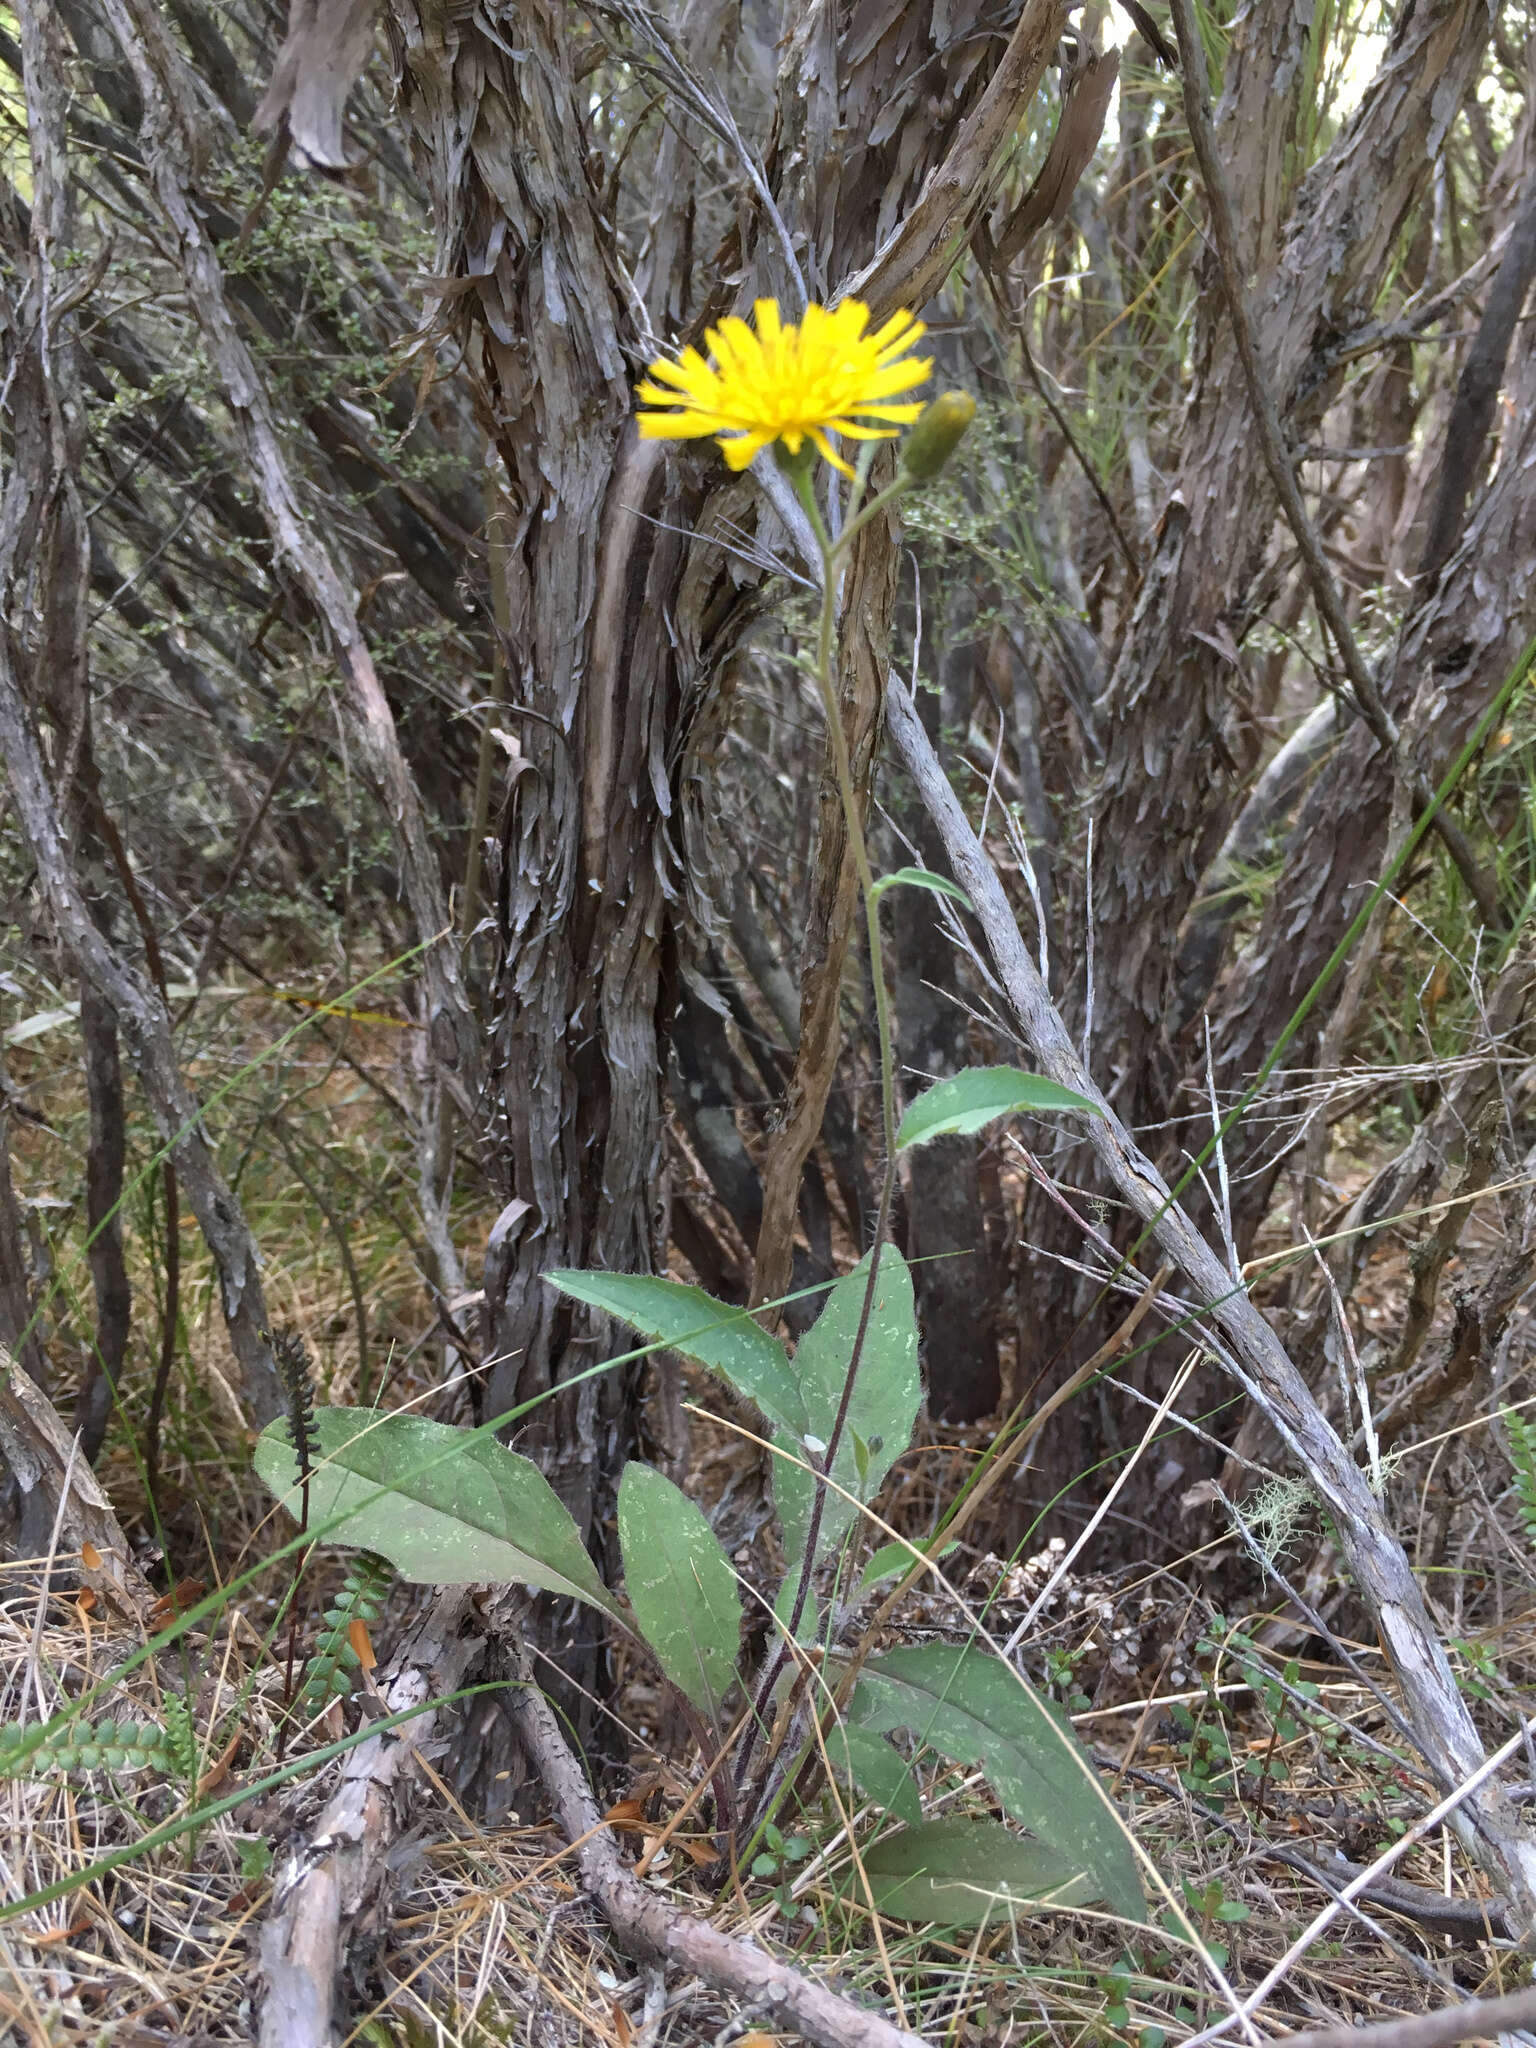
[(340, 1868), (651, 1928), (168, 139)]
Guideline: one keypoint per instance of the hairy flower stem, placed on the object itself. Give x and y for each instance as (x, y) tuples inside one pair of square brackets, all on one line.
[(831, 554)]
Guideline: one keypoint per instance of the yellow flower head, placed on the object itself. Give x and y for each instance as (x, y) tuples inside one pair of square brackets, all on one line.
[(789, 383)]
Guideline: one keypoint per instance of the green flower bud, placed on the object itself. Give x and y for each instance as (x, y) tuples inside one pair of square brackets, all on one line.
[(937, 434)]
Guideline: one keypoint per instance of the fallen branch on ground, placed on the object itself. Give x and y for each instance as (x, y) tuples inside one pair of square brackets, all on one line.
[(650, 1927), (335, 1877), (1479, 2019)]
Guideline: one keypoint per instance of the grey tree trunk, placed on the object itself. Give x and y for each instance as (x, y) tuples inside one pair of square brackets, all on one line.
[(623, 608)]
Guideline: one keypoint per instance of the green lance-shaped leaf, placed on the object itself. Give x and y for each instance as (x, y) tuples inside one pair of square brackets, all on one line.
[(450, 1513), (880, 1771), (919, 878), (686, 1319), (880, 1416), (970, 1706), (890, 1561), (681, 1587), (968, 1101), (961, 1872)]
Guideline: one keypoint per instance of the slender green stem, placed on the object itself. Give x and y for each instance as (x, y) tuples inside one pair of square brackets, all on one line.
[(858, 845), (857, 521)]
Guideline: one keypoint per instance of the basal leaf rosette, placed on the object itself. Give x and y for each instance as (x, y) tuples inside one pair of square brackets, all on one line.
[(789, 383)]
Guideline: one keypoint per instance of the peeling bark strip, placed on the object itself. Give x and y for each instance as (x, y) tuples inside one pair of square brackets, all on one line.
[(1466, 432), (326, 47), (863, 654), (1486, 1824), (652, 1929), (54, 1498), (1083, 114), (911, 261)]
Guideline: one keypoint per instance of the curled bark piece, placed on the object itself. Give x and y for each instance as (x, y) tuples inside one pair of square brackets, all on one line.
[(1078, 129), (335, 1879), (325, 49), (913, 259), (55, 1500), (650, 1928)]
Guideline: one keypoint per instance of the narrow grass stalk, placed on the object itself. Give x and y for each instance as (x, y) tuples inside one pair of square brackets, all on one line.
[(200, 1816)]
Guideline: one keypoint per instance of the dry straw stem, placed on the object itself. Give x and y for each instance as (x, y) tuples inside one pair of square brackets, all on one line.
[(1442, 1727), (649, 1927), (1482, 2018)]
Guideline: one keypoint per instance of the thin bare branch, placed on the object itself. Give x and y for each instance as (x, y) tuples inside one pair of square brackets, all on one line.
[(1478, 2019), (1442, 1726), (167, 137)]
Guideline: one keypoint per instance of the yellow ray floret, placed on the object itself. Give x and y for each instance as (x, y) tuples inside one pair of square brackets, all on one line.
[(793, 383)]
